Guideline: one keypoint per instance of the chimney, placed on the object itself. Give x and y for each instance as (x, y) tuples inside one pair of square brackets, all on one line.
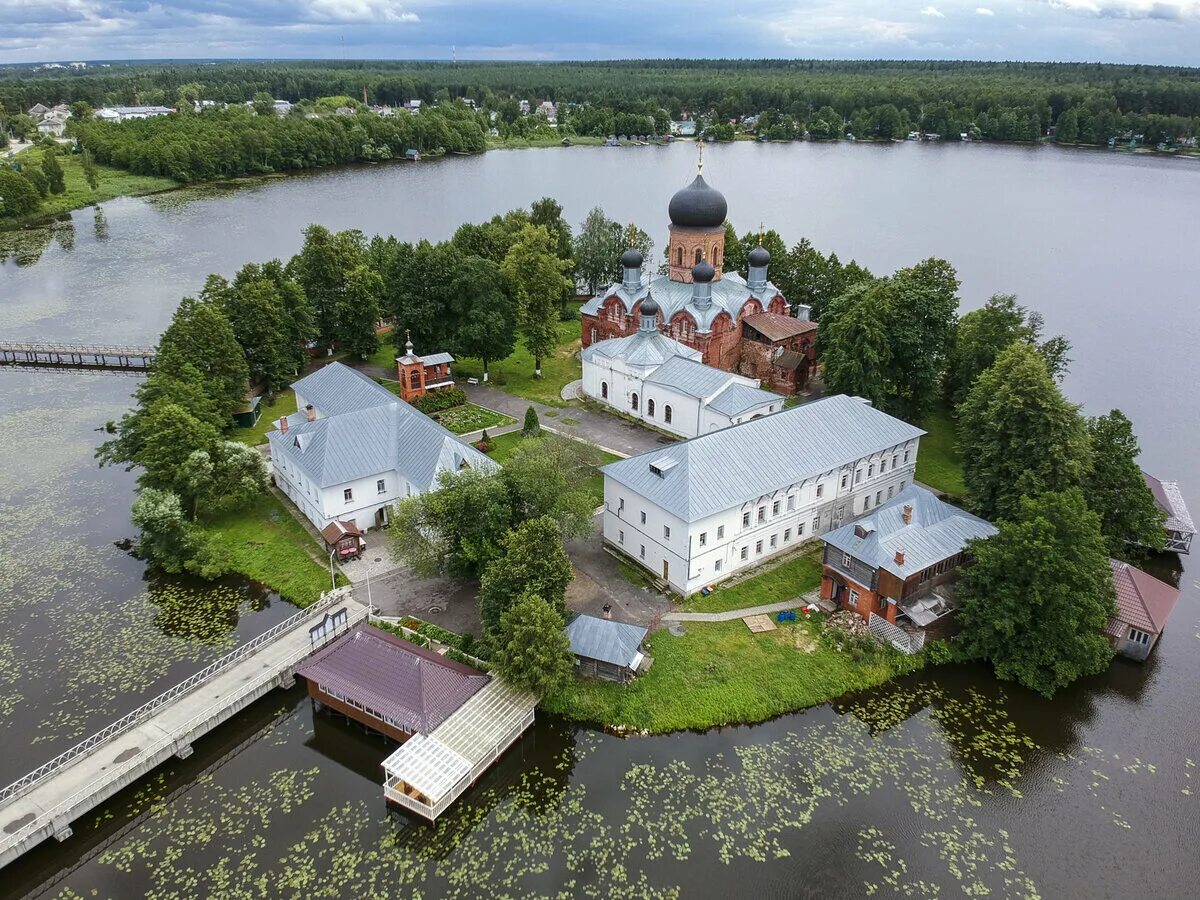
[(907, 513), (311, 414), (283, 424), (608, 610), (899, 557)]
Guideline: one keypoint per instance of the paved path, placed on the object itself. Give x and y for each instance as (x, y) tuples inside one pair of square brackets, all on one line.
[(572, 391), (730, 615)]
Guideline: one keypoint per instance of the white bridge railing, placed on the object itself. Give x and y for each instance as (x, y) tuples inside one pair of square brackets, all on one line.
[(888, 633), (143, 712)]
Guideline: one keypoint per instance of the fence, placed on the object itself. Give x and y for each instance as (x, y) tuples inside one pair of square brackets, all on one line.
[(887, 633)]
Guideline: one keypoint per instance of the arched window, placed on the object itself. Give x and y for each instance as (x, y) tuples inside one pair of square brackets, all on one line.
[(593, 335), (633, 401), (699, 254), (604, 390), (667, 413), (650, 407), (414, 379), (679, 256), (716, 255)]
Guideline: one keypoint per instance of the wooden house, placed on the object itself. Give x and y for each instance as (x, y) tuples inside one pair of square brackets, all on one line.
[(343, 538), (1179, 525), (606, 649)]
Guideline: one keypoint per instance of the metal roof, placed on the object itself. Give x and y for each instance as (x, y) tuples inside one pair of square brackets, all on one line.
[(938, 530), (414, 688), (729, 294), (1169, 499), (335, 389), (436, 359), (642, 348), (605, 640), (1142, 600), (740, 398), (691, 377), (775, 327), (785, 448)]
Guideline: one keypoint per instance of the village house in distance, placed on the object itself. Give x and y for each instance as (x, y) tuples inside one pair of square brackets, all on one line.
[(737, 324), (696, 512)]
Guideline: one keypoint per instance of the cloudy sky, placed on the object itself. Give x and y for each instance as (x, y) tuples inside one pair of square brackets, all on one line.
[(1146, 31)]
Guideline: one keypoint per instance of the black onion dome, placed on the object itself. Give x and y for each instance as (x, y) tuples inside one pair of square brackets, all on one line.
[(698, 206), (631, 259), (649, 307), (759, 256), (703, 271)]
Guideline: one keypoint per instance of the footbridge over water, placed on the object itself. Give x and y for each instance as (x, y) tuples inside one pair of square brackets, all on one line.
[(94, 357), (47, 800)]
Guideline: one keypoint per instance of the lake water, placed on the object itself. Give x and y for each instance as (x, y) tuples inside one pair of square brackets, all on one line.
[(939, 784)]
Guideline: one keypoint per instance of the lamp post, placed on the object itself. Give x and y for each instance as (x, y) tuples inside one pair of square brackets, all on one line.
[(332, 575)]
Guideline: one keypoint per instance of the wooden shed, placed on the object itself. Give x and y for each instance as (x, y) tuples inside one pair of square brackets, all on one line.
[(606, 649), (344, 537)]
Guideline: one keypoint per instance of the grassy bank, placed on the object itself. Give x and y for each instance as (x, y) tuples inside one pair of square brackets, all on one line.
[(284, 405), (265, 543), (548, 140), (785, 581), (939, 464), (720, 673), (113, 183), (515, 374)]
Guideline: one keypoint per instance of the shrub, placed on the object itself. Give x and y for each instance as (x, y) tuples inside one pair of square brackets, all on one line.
[(443, 398), (532, 426), (18, 196)]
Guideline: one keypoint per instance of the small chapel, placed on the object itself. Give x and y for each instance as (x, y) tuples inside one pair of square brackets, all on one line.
[(741, 325)]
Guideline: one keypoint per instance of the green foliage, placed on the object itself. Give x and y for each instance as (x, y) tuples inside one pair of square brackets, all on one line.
[(228, 476), (786, 581), (484, 312), (1116, 491), (358, 311), (442, 398), (167, 537), (531, 427), (18, 196), (532, 649), (90, 172), (56, 178), (535, 276), (201, 336), (1039, 594), (598, 246), (1018, 435), (534, 562), (551, 475), (330, 270), (856, 352)]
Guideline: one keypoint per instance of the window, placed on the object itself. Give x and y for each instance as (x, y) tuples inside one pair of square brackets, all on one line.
[(792, 500), (894, 458), (845, 475), (845, 560), (890, 493), (414, 379), (699, 254), (866, 502), (758, 547), (882, 465), (643, 551), (714, 254), (717, 565), (703, 538), (878, 497), (593, 335), (720, 532), (775, 508), (902, 485), (603, 388), (906, 456), (774, 541), (633, 401), (883, 603), (745, 520), (620, 537), (643, 517), (650, 407), (871, 470), (820, 490), (816, 524), (380, 486), (800, 530), (620, 504), (667, 532), (1139, 637), (348, 495), (679, 256), (841, 511), (857, 476), (787, 535), (667, 413), (853, 597), (745, 552), (762, 514)]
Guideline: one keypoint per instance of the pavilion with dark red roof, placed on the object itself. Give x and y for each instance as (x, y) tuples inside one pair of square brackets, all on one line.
[(1143, 605)]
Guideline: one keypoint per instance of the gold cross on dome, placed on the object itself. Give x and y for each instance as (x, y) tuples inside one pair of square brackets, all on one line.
[(700, 159)]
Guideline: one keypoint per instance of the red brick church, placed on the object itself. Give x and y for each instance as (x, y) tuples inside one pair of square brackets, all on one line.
[(739, 324)]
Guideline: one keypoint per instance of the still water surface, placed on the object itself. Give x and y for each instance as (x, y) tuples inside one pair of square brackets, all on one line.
[(941, 783)]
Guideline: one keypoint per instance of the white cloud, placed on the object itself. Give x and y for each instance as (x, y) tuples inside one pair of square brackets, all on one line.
[(358, 11), (1132, 9), (983, 11), (933, 11)]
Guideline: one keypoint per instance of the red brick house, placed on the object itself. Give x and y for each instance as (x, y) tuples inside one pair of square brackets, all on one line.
[(420, 374), (706, 308)]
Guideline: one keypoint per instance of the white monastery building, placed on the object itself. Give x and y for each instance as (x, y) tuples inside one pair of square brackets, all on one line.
[(701, 510), (663, 383), (353, 449)]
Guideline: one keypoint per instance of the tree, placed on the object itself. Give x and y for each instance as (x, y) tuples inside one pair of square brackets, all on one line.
[(56, 178), (263, 104), (90, 172), (920, 316), (1039, 594), (170, 434), (18, 196), (321, 268), (485, 323), (535, 277), (81, 111), (227, 476), (1116, 490), (531, 427), (1018, 435), (855, 351), (293, 327), (167, 537), (457, 529), (550, 475), (534, 561), (597, 250), (532, 650), (200, 336), (358, 311)]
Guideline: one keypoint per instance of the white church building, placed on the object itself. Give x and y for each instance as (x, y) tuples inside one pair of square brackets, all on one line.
[(663, 383), (696, 512), (354, 449)]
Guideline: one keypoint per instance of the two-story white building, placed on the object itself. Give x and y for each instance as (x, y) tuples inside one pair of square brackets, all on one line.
[(696, 512), (353, 449), (663, 383)]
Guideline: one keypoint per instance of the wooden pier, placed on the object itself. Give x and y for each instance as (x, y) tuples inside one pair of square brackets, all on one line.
[(47, 800), (57, 355)]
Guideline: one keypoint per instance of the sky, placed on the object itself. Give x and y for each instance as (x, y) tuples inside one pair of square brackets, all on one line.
[(1163, 32)]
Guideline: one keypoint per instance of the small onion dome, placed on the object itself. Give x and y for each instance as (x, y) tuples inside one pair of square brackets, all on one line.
[(703, 272), (698, 206), (759, 256), (631, 259), (648, 307)]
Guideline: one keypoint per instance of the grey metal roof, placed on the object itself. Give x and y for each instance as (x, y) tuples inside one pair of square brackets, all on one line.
[(605, 640), (729, 294), (785, 448), (437, 359), (938, 531), (1169, 499), (690, 376), (739, 398), (642, 348), (380, 437)]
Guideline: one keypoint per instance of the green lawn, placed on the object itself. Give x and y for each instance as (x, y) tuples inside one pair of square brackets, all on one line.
[(503, 447), (549, 140), (284, 405), (385, 356), (786, 581), (113, 183), (721, 673), (939, 464), (469, 417), (515, 374), (265, 543)]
